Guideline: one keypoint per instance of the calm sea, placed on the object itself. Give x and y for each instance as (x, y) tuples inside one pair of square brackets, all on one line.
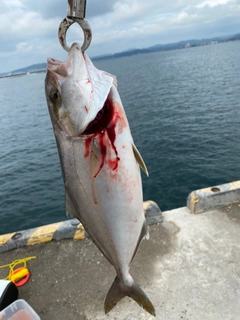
[(183, 107)]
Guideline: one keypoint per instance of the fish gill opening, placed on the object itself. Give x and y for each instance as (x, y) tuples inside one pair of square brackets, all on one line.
[(101, 121), (104, 122)]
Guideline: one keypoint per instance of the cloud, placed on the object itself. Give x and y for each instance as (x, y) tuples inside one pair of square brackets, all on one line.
[(30, 27), (214, 3)]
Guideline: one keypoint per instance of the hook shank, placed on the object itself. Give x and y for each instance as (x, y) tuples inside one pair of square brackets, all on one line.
[(76, 9)]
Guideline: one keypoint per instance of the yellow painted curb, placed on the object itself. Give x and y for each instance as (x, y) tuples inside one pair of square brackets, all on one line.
[(79, 234), (4, 239), (70, 229), (214, 197), (43, 234)]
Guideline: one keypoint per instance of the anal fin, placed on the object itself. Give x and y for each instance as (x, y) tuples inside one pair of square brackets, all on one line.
[(143, 235)]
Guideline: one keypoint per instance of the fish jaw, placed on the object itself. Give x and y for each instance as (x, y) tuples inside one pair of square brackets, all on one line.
[(82, 89)]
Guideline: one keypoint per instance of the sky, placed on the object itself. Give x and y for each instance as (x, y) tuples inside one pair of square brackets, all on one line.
[(29, 28)]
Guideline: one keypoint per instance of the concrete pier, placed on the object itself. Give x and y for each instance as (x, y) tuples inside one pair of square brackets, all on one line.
[(190, 269)]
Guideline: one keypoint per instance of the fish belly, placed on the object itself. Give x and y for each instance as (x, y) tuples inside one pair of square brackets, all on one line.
[(108, 204)]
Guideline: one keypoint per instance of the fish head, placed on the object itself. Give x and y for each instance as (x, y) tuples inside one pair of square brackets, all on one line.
[(75, 91)]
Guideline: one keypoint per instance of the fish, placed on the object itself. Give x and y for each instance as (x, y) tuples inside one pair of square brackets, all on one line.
[(100, 165)]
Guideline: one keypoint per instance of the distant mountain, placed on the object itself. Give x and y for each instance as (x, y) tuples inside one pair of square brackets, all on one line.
[(32, 68), (170, 46), (235, 37), (130, 52)]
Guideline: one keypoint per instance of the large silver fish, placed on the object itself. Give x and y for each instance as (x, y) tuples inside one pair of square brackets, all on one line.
[(100, 165)]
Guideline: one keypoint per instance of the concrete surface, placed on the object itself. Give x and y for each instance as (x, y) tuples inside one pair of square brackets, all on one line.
[(190, 269)]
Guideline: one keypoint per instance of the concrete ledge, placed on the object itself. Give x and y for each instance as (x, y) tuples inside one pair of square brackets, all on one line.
[(214, 197), (70, 229), (189, 268)]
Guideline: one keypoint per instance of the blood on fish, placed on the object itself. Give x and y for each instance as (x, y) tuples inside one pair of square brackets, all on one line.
[(103, 152), (88, 81), (86, 109), (103, 128), (113, 164), (87, 146), (112, 135)]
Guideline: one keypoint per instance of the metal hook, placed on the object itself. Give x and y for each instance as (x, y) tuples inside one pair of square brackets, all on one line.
[(76, 13)]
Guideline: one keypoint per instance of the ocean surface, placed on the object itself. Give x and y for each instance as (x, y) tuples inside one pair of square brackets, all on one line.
[(183, 107)]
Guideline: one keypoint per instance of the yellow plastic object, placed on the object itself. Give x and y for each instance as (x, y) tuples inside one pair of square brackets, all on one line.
[(15, 277), (12, 268)]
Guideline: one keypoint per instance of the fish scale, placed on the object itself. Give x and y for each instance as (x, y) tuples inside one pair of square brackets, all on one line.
[(100, 165)]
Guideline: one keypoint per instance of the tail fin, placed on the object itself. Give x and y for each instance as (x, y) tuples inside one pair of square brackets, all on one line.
[(119, 291)]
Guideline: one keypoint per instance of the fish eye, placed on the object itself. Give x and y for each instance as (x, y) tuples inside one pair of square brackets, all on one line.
[(55, 97)]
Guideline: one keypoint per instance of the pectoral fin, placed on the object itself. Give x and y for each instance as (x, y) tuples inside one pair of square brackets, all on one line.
[(139, 159)]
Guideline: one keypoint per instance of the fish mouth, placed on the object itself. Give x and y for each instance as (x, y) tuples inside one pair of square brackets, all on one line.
[(101, 121)]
